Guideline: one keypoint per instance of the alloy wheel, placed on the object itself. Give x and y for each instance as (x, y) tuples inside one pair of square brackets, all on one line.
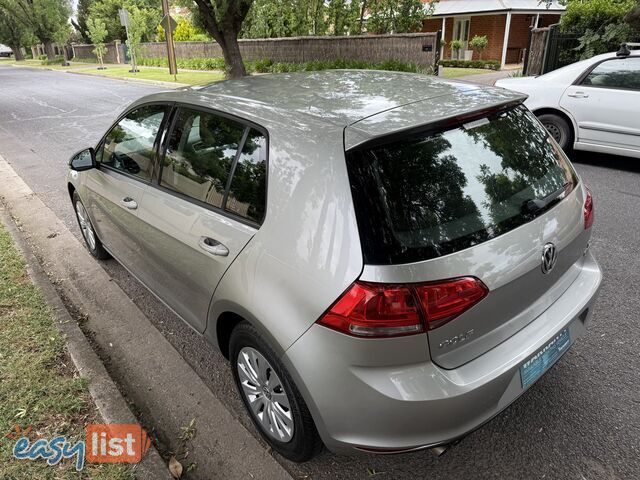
[(265, 395), (85, 225)]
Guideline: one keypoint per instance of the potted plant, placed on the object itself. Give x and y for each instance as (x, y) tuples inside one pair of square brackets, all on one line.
[(456, 46), (479, 44)]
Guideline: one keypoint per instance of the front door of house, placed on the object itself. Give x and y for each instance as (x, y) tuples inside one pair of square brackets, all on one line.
[(461, 32)]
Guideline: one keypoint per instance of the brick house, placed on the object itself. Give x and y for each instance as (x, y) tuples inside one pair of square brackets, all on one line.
[(506, 24)]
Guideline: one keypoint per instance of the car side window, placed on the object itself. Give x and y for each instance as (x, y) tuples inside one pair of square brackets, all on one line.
[(247, 193), (129, 146), (200, 153), (617, 73)]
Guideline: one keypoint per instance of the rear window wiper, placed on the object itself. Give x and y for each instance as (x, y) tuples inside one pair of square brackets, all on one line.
[(536, 205)]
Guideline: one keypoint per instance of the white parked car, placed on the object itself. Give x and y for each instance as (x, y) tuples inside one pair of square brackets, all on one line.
[(5, 51), (591, 105)]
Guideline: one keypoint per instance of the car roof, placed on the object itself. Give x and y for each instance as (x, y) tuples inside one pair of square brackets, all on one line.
[(314, 100), (569, 72)]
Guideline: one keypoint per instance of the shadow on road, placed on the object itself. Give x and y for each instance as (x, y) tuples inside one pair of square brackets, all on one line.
[(616, 162)]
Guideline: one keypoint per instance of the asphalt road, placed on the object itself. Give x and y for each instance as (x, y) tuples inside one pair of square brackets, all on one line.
[(580, 421)]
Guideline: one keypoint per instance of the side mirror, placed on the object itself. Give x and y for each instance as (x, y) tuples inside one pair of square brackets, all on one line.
[(83, 160)]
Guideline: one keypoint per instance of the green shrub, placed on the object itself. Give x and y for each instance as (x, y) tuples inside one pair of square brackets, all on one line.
[(595, 15), (42, 58), (486, 64), (479, 43), (268, 66), (59, 60)]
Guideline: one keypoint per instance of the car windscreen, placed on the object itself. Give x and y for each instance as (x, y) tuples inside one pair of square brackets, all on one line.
[(438, 192)]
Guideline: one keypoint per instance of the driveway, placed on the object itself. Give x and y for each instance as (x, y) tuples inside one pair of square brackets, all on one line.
[(580, 421)]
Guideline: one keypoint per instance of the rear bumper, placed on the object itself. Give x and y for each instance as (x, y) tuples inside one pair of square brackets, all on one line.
[(386, 394)]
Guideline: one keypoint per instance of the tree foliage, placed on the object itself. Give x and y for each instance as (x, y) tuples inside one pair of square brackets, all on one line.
[(601, 23), (97, 32), (291, 18), (397, 16), (186, 31), (82, 15), (13, 33), (583, 15), (150, 14), (44, 18)]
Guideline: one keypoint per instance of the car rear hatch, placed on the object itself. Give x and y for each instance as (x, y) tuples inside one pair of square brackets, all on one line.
[(482, 195)]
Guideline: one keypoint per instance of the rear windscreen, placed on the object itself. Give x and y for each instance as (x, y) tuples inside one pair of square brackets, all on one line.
[(436, 193)]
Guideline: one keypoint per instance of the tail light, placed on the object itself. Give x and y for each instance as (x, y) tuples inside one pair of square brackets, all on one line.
[(588, 210), (378, 310)]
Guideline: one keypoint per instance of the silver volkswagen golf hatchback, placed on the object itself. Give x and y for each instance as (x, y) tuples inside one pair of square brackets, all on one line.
[(388, 260)]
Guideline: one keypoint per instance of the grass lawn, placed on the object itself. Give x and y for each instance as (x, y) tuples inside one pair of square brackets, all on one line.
[(453, 72), (160, 74), (38, 64), (39, 385), (145, 73)]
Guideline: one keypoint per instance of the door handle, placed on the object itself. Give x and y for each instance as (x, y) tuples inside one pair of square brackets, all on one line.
[(213, 246), (130, 203), (578, 95)]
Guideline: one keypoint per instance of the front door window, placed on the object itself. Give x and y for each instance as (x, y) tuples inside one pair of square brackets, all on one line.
[(461, 32)]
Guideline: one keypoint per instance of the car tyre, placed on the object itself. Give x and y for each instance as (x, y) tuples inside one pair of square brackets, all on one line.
[(259, 373), (91, 240), (559, 129)]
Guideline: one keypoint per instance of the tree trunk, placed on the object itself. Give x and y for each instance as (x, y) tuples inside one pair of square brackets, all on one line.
[(17, 52), (226, 32), (232, 56), (48, 49)]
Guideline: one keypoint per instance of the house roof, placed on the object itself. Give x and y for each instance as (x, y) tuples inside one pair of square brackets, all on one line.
[(462, 7)]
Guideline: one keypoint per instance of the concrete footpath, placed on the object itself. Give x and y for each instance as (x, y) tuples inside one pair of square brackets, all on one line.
[(162, 388)]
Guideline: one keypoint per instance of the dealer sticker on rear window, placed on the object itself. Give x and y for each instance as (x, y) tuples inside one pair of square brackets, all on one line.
[(546, 356)]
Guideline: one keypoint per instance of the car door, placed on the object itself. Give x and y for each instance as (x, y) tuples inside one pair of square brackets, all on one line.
[(208, 203), (604, 103), (115, 190)]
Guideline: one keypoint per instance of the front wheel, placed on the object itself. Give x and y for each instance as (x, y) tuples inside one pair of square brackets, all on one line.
[(558, 128), (91, 240), (274, 403)]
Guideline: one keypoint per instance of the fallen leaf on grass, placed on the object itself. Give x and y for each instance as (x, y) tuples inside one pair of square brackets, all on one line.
[(175, 467)]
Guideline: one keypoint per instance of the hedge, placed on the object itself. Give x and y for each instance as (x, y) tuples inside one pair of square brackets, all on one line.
[(267, 66), (486, 64)]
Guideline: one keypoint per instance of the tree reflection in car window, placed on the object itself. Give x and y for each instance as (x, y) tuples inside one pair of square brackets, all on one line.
[(433, 194), (248, 186), (129, 145), (201, 150), (616, 73)]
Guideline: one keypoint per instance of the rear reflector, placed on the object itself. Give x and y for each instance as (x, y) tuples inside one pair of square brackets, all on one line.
[(588, 210), (376, 310)]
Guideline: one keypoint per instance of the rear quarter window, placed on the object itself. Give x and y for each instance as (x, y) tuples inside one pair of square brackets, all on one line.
[(436, 193)]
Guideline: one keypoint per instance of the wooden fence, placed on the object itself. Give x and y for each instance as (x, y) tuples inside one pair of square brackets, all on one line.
[(418, 48)]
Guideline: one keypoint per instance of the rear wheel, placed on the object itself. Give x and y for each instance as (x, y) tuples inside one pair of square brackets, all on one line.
[(91, 240), (270, 396), (558, 128)]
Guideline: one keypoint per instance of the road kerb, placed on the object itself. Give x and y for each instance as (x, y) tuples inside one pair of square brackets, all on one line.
[(112, 406), (166, 392)]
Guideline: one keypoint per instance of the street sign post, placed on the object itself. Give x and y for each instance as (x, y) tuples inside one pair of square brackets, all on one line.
[(169, 25)]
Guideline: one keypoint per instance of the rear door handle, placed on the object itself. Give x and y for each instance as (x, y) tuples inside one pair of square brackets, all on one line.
[(578, 95), (213, 246), (130, 203)]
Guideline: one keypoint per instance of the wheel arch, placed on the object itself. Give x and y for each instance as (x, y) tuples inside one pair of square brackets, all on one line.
[(224, 316)]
